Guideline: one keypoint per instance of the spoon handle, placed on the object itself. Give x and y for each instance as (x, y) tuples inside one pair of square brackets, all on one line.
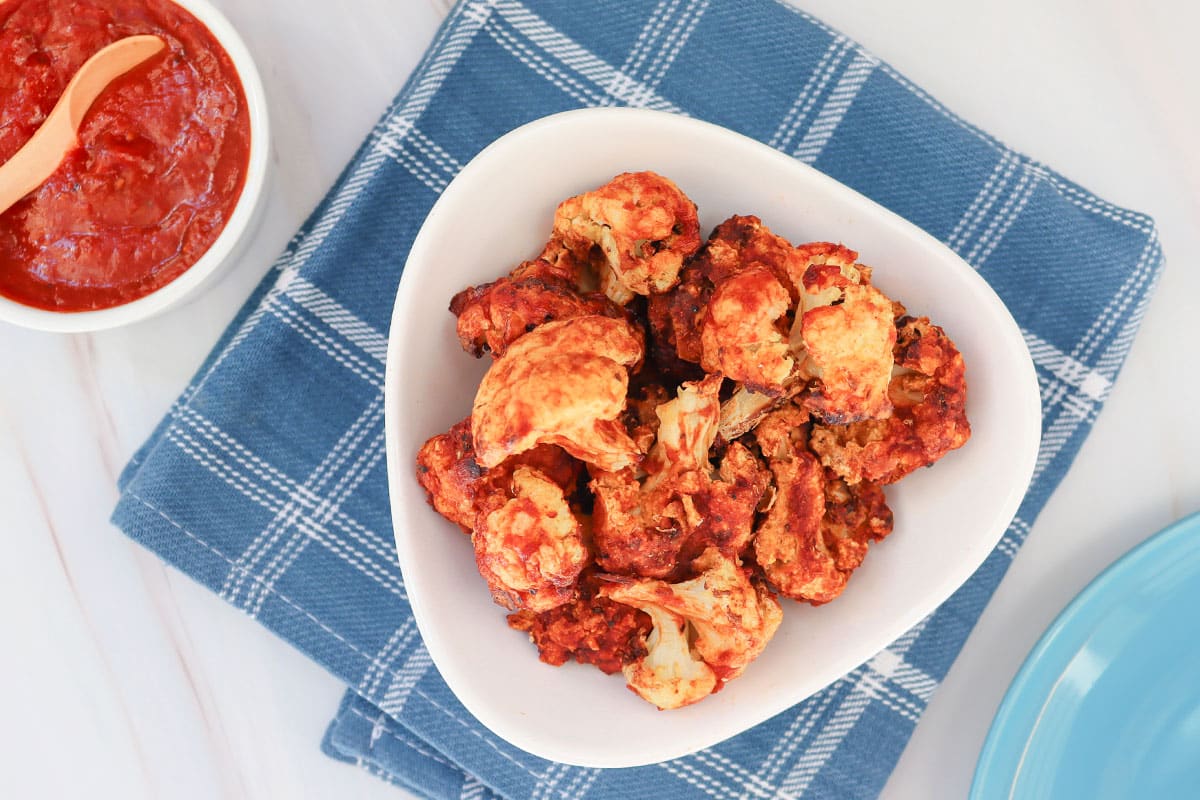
[(39, 157)]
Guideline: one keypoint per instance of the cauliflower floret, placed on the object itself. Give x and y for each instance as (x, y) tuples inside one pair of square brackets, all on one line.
[(460, 489), (740, 241), (645, 226), (590, 629), (658, 532), (819, 270), (653, 526), (734, 617), (854, 516), (531, 549), (559, 262), (740, 335), (670, 675), (782, 433), (674, 323), (844, 335), (772, 317), (450, 475), (676, 316), (746, 408), (640, 523), (686, 430), (788, 543), (494, 315), (626, 540), (729, 621), (929, 397), (641, 417), (733, 502), (816, 530), (563, 383)]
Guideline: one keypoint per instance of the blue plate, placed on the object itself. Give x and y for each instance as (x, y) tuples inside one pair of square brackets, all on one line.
[(1108, 703)]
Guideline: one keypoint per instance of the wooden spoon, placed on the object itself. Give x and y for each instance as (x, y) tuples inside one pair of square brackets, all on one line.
[(39, 157)]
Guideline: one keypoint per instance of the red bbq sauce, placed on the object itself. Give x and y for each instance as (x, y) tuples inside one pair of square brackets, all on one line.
[(161, 162)]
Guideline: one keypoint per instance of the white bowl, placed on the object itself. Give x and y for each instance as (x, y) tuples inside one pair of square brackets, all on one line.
[(232, 240), (498, 212)]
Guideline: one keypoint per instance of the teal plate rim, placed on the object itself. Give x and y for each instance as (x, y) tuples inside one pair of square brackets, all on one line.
[(1000, 760)]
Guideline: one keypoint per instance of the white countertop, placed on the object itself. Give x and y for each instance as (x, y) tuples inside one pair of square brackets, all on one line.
[(123, 678)]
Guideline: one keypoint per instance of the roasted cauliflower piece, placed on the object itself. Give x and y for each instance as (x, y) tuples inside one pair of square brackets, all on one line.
[(460, 489), (641, 413), (745, 408), (929, 398), (676, 316), (741, 335), (564, 383), (674, 320), (743, 240), (639, 523), (686, 430), (854, 516), (816, 531), (654, 526), (626, 539), (788, 545), (644, 225), (771, 316), (733, 616), (531, 549), (783, 432), (559, 262), (732, 504), (450, 475), (662, 529), (844, 333), (590, 629), (670, 675), (494, 315), (819, 267), (728, 620)]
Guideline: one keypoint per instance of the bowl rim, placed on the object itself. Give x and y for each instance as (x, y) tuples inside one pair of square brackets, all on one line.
[(1009, 338), (222, 250)]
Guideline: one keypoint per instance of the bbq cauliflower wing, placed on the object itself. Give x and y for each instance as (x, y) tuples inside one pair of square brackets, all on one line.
[(559, 262), (844, 334), (670, 675), (741, 335), (531, 549), (817, 528), (590, 629), (460, 489), (494, 315), (563, 383), (727, 620), (643, 224), (929, 397), (676, 317), (638, 520), (674, 322), (655, 525)]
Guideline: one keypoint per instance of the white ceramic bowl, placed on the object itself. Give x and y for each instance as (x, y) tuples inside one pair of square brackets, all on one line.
[(228, 245), (497, 212)]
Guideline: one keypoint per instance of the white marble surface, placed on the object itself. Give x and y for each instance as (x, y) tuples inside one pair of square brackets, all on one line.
[(122, 678)]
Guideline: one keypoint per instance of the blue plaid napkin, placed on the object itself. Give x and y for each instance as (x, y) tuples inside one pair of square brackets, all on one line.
[(266, 480)]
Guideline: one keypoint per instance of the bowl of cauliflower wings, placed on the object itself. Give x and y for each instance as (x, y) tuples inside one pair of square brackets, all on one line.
[(699, 423)]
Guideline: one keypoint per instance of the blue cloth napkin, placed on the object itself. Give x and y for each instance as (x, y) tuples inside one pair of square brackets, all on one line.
[(266, 481)]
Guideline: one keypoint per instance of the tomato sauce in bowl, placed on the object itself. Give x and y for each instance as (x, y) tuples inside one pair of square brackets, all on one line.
[(161, 161)]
